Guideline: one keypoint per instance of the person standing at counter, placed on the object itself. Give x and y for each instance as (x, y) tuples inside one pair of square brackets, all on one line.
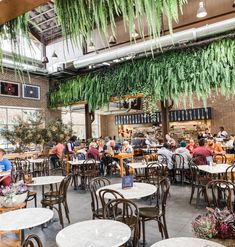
[(5, 166)]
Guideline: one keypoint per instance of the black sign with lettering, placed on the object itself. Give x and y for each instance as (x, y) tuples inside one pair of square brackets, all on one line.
[(174, 116)]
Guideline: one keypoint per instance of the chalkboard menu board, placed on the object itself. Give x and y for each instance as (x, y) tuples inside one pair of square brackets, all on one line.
[(174, 116)]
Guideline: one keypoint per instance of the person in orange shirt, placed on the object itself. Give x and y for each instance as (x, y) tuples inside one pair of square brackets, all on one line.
[(214, 147), (58, 152)]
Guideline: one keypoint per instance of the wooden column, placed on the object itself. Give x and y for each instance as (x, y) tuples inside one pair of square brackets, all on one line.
[(165, 119), (89, 119)]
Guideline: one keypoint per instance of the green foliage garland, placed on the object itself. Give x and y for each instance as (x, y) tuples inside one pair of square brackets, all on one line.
[(170, 75), (79, 17)]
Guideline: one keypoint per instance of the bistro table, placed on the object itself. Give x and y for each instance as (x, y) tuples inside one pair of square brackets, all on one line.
[(138, 190), (34, 162), (121, 157), (214, 169), (26, 218), (75, 163), (185, 241), (46, 180), (94, 233)]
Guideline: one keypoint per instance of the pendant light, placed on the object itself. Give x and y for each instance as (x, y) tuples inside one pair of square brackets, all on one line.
[(45, 60), (233, 4), (91, 45), (54, 56), (112, 40), (201, 12)]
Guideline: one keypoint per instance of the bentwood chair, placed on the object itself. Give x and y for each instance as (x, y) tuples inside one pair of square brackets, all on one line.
[(88, 170), (59, 198), (129, 215), (32, 241), (155, 172), (103, 193), (220, 194), (96, 206), (220, 158), (157, 212), (230, 174), (178, 168), (198, 182)]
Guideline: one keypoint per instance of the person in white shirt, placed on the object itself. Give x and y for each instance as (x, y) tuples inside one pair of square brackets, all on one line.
[(182, 150), (222, 133), (166, 151)]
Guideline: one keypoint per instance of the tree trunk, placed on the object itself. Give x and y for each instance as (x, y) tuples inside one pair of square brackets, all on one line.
[(165, 119), (89, 118)]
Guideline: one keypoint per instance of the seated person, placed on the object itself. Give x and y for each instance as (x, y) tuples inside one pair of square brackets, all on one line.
[(191, 146), (92, 152), (166, 151), (101, 147), (231, 145), (215, 148), (58, 152), (127, 148), (202, 152), (82, 148), (69, 148), (182, 150), (222, 133), (5, 165)]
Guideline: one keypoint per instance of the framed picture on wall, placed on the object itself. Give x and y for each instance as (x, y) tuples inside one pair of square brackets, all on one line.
[(10, 89), (31, 92)]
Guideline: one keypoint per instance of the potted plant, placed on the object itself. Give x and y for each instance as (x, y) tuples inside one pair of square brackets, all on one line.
[(13, 195), (216, 225)]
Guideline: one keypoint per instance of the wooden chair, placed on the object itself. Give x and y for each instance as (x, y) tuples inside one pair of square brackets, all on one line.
[(178, 168), (115, 195), (32, 241), (88, 170), (220, 158), (54, 198), (158, 212), (198, 182), (129, 215), (155, 172), (94, 185), (220, 194), (230, 174)]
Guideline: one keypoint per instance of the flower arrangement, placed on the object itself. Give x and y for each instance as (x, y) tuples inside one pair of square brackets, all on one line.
[(215, 224), (13, 189)]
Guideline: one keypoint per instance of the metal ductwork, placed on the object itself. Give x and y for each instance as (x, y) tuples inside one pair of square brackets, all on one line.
[(153, 44)]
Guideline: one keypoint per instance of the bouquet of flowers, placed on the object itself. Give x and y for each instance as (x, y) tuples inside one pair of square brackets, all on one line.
[(13, 189), (215, 224)]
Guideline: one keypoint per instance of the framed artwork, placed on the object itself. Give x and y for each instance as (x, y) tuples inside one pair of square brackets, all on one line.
[(30, 92), (10, 89)]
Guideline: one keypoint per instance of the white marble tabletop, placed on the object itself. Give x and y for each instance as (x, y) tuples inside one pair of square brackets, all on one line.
[(5, 173), (46, 180), (80, 162), (215, 169), (36, 160), (94, 233), (140, 165), (183, 241), (138, 190), (24, 218)]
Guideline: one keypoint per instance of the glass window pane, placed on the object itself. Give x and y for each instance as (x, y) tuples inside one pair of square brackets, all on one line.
[(13, 115), (3, 116)]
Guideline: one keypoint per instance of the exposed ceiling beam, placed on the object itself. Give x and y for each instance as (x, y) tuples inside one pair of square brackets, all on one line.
[(42, 13), (10, 9), (43, 22)]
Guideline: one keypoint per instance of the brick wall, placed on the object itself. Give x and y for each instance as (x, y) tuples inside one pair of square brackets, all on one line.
[(223, 114), (42, 82)]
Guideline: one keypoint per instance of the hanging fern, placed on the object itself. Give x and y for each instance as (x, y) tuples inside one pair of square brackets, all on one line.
[(173, 75), (79, 17)]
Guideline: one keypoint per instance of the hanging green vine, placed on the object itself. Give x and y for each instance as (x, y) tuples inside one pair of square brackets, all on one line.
[(79, 17), (171, 75)]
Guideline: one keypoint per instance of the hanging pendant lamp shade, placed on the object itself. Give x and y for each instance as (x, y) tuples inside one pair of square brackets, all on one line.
[(201, 12), (233, 4), (112, 40), (45, 60), (54, 56)]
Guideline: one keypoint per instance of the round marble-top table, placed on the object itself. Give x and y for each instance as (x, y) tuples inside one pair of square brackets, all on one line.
[(46, 180), (94, 233), (24, 218), (184, 241), (138, 190)]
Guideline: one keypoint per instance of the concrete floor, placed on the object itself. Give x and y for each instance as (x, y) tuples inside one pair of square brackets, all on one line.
[(179, 215)]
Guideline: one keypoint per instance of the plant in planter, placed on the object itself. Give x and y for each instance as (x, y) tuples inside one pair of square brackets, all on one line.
[(215, 224), (13, 195)]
